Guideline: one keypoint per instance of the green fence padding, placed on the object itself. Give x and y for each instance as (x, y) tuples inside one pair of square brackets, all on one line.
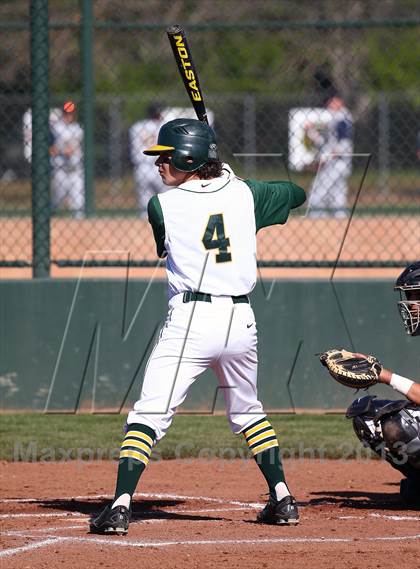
[(70, 346)]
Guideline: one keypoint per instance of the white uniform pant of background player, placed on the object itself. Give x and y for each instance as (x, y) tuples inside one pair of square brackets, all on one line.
[(147, 183), (67, 188), (197, 336), (328, 193)]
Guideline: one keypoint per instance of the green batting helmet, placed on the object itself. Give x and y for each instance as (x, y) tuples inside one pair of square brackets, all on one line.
[(192, 144)]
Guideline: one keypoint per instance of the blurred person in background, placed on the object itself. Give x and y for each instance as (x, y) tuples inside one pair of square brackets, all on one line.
[(66, 152), (143, 134), (334, 143)]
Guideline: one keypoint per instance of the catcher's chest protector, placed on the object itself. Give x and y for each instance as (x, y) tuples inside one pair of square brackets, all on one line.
[(391, 429)]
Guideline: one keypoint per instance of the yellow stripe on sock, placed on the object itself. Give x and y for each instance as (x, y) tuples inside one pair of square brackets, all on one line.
[(257, 438), (134, 454), (249, 432), (264, 446), (138, 444), (140, 435)]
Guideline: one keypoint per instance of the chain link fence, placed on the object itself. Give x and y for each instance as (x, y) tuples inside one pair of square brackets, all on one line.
[(333, 105)]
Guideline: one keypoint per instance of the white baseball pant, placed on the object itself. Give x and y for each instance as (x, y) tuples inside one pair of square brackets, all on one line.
[(196, 336)]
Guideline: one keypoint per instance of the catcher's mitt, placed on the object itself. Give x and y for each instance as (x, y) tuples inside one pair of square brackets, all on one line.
[(352, 370)]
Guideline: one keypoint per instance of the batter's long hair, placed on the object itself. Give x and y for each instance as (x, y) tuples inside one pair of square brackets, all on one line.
[(212, 169)]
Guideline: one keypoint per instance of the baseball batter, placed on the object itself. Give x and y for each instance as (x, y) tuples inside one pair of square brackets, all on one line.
[(205, 226)]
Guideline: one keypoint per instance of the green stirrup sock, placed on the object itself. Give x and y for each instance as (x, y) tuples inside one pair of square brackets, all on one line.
[(262, 442), (134, 457)]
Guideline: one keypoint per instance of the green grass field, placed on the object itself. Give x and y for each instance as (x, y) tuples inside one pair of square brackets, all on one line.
[(37, 437)]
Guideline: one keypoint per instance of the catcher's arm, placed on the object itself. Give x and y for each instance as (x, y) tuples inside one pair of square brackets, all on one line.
[(406, 386)]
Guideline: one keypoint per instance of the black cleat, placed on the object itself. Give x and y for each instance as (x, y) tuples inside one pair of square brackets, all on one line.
[(283, 511), (111, 521)]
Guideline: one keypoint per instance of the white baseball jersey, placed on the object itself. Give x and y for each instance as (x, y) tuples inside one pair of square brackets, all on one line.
[(207, 230), (210, 236), (340, 134), (65, 136)]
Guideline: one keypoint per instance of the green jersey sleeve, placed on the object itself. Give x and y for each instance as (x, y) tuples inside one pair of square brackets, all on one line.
[(154, 211), (274, 200)]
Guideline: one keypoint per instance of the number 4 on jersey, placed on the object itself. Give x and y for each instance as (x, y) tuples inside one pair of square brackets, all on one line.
[(214, 238)]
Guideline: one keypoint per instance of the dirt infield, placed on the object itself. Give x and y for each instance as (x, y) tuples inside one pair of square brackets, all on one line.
[(194, 514)]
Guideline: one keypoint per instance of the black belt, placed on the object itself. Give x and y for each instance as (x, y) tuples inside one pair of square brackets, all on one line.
[(190, 296)]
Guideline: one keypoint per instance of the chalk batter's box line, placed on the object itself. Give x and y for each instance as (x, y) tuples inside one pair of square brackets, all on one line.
[(137, 514), (30, 546), (217, 542), (34, 533), (388, 517), (139, 495), (241, 505), (151, 515), (43, 515)]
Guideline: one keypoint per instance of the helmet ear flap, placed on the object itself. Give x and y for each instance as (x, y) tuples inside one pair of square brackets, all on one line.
[(184, 161)]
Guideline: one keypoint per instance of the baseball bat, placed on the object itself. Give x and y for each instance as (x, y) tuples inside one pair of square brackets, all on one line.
[(187, 69)]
